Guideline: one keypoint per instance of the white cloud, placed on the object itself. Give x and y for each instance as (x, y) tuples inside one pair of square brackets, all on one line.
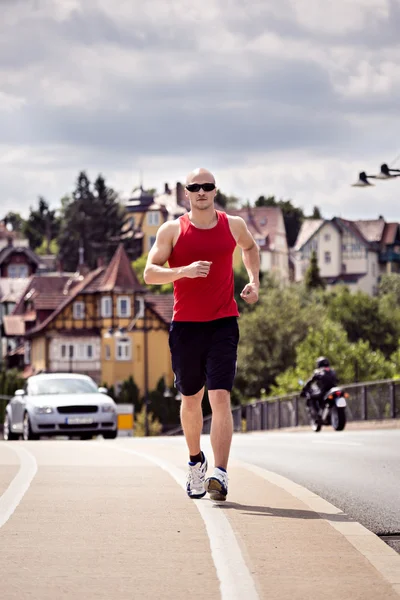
[(288, 97)]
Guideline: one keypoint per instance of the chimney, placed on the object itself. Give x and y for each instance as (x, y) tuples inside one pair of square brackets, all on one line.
[(180, 197)]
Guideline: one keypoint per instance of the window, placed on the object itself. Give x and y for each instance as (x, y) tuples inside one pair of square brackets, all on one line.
[(107, 352), (153, 218), (151, 240), (124, 306), (327, 237), (63, 351), (89, 351), (327, 257), (123, 350), (106, 306), (15, 271), (78, 310)]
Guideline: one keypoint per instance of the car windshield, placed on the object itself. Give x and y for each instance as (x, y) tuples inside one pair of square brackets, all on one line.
[(57, 385)]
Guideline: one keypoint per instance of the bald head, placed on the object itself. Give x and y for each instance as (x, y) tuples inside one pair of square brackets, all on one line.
[(200, 176)]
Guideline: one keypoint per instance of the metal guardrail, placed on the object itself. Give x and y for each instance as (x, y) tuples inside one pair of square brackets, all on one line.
[(367, 401)]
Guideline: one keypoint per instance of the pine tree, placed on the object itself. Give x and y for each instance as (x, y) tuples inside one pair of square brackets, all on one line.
[(313, 278), (92, 218)]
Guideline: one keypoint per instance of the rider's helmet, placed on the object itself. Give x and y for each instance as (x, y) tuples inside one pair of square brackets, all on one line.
[(322, 362)]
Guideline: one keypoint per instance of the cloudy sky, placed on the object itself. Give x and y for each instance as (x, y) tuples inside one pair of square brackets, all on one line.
[(284, 97)]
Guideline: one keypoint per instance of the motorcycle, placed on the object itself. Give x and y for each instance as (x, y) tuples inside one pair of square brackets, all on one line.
[(331, 409)]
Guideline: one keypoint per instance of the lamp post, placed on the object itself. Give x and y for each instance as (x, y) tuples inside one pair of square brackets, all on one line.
[(146, 375), (384, 173)]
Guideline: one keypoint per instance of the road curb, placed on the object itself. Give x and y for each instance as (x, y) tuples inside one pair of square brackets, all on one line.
[(385, 560)]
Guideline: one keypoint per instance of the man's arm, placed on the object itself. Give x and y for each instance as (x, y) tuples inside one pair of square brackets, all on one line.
[(155, 273), (250, 257)]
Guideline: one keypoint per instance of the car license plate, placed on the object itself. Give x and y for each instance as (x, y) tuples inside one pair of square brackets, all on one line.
[(79, 420)]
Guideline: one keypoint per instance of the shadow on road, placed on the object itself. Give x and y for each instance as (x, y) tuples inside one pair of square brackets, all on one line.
[(287, 513)]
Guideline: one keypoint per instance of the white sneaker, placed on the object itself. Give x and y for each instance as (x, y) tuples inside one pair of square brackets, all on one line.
[(195, 479), (217, 485)]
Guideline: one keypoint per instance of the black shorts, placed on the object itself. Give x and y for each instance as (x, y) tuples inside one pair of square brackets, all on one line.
[(204, 353)]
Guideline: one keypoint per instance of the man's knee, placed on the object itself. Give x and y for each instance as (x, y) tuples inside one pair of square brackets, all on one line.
[(219, 399), (192, 402)]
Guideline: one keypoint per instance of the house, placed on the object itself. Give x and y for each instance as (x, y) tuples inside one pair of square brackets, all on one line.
[(143, 217), (106, 327), (267, 226), (355, 253), (11, 290), (16, 258)]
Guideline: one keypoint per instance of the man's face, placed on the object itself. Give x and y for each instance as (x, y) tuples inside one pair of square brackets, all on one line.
[(199, 197)]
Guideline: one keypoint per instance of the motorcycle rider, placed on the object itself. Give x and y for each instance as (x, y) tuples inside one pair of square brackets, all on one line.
[(321, 381)]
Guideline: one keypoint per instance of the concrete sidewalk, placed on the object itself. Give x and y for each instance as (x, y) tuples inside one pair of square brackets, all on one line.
[(295, 544), (111, 520)]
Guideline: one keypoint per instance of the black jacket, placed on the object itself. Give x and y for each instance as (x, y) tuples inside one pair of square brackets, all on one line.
[(325, 378)]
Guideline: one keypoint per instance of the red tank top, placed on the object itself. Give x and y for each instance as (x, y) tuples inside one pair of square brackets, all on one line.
[(211, 297)]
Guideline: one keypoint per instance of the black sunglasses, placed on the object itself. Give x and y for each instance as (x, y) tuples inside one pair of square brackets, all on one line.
[(196, 187)]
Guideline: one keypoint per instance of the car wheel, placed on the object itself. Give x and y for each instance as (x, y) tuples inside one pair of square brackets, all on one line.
[(86, 437), (8, 435), (110, 435), (27, 433)]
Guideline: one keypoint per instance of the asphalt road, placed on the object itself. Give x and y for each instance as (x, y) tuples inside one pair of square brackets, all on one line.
[(357, 471)]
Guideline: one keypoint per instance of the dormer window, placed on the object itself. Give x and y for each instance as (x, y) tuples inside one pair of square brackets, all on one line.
[(124, 306), (78, 310), (106, 307), (153, 218)]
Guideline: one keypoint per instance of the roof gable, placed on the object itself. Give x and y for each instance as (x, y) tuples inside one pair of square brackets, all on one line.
[(119, 274), (308, 229), (263, 222)]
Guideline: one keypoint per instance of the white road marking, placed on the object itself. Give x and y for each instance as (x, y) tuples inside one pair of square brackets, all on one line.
[(337, 443), (234, 576), (19, 485)]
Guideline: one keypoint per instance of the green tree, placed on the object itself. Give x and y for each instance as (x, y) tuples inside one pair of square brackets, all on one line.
[(93, 219), (316, 214), (41, 225), (155, 426), (44, 248), (139, 265), (389, 285), (376, 320), (352, 361), (270, 333), (313, 278), (129, 394), (15, 220), (226, 201)]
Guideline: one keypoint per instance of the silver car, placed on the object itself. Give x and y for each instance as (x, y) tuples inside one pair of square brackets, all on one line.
[(60, 404)]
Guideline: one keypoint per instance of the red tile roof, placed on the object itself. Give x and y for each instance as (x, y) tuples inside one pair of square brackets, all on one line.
[(74, 293), (262, 222), (119, 275), (162, 304), (45, 291), (390, 233), (372, 229)]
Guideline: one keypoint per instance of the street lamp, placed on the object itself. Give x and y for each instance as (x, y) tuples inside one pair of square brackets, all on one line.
[(384, 173)]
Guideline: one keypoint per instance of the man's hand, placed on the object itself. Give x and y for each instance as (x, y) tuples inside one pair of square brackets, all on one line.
[(200, 268), (250, 293)]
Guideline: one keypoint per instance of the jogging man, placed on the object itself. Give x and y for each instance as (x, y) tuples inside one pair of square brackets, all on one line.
[(204, 332)]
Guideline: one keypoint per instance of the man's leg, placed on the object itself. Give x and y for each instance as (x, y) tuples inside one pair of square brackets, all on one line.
[(192, 421), (221, 426)]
